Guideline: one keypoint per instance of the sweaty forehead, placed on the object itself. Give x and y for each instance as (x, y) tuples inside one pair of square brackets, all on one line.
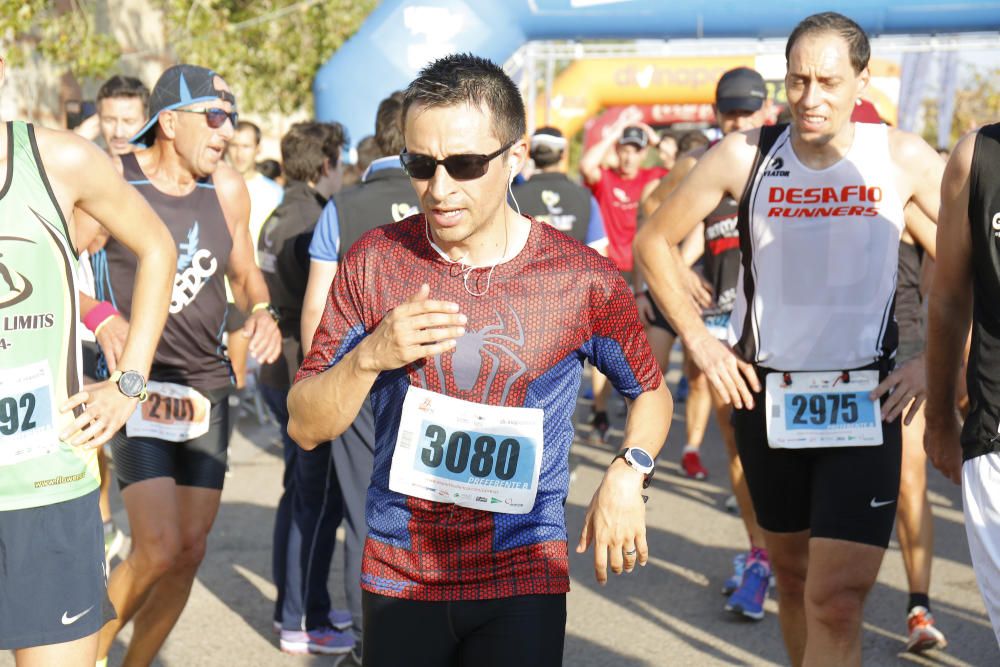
[(449, 129), (826, 52)]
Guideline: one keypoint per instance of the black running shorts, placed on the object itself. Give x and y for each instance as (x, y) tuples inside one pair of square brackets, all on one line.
[(659, 319), (53, 585), (520, 631), (198, 462), (843, 493)]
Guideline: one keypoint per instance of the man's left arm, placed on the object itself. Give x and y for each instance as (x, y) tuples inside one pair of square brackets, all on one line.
[(616, 518), (949, 314), (245, 279), (921, 170)]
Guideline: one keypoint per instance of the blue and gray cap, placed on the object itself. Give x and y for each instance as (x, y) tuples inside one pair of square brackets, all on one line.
[(178, 87)]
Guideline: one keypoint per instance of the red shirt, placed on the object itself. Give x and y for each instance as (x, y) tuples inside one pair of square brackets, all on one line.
[(619, 201)]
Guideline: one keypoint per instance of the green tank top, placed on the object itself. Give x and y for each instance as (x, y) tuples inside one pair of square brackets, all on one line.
[(39, 348)]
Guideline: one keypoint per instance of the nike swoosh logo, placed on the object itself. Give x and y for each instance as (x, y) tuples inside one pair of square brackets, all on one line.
[(880, 503), (70, 620)]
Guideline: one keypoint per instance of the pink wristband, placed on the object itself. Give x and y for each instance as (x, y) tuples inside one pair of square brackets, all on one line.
[(98, 314)]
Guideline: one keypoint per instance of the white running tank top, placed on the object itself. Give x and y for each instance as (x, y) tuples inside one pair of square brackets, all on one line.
[(818, 275)]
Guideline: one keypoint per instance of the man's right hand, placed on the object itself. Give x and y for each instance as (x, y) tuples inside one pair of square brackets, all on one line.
[(724, 370), (943, 446), (416, 329), (644, 305), (700, 289), (111, 336)]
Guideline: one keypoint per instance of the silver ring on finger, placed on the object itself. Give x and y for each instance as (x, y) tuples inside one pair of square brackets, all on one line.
[(630, 553)]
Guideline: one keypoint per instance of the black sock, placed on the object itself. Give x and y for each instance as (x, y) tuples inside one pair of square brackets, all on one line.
[(918, 600)]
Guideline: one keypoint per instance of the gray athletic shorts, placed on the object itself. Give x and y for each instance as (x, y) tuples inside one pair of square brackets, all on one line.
[(53, 582)]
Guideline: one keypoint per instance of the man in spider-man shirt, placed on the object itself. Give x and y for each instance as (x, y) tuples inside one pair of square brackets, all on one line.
[(469, 325)]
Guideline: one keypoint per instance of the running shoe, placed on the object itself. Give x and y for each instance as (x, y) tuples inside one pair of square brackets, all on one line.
[(340, 619), (324, 641), (600, 425), (114, 540), (923, 635), (691, 463), (733, 582), (682, 390), (748, 600)]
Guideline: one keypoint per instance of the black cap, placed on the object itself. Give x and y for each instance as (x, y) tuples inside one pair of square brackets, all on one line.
[(180, 86), (635, 135), (740, 89)]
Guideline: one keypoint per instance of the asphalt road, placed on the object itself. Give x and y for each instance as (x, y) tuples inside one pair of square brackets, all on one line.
[(668, 613)]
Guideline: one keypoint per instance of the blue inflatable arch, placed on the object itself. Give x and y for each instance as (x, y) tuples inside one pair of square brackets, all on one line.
[(400, 36)]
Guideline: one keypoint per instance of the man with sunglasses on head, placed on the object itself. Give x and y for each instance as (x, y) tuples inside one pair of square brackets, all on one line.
[(469, 325), (170, 459)]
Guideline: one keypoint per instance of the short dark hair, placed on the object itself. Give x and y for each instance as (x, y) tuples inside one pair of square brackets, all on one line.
[(857, 41), (544, 154), (389, 125), (368, 152), (691, 140), (305, 147), (124, 86), (247, 125), (270, 168), (463, 78)]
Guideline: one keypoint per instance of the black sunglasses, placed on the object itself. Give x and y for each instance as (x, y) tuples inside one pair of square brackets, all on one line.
[(465, 167), (214, 116)]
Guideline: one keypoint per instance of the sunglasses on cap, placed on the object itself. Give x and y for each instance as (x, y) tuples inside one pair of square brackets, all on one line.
[(464, 167), (214, 116)]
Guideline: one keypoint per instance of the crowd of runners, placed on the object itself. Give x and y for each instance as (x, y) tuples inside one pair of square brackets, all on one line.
[(421, 335)]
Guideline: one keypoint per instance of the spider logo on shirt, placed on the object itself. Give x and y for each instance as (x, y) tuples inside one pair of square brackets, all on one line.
[(487, 347)]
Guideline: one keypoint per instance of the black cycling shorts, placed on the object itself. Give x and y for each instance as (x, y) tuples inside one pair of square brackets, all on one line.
[(659, 319), (526, 630), (842, 493), (53, 585), (198, 462)]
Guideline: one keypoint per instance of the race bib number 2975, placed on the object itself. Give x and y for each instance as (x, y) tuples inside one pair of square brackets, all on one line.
[(822, 409)]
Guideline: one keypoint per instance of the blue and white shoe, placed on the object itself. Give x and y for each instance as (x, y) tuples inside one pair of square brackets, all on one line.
[(340, 619), (733, 582), (748, 600), (321, 641)]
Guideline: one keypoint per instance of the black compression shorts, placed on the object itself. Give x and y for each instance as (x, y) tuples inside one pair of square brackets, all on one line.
[(843, 493), (198, 462), (659, 319), (521, 631)]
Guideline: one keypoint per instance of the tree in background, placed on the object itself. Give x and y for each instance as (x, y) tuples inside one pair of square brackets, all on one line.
[(60, 32), (268, 50), (977, 102)]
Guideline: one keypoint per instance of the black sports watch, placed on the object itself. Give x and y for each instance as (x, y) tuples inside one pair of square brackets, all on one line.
[(271, 310), (130, 383), (640, 460)]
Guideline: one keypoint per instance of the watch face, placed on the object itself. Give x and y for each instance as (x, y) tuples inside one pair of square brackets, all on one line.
[(641, 458), (131, 383)]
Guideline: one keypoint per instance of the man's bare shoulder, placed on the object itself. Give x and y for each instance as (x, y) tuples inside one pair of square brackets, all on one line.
[(229, 183), (731, 158), (909, 149), (60, 148), (960, 162)]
